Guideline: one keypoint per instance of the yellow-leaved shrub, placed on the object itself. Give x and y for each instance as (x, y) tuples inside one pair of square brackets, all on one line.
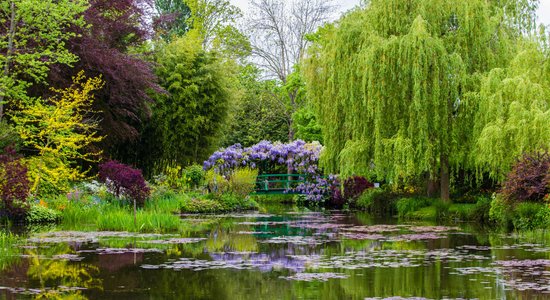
[(60, 130)]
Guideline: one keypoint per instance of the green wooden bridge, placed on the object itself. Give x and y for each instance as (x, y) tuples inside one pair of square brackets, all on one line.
[(270, 184)]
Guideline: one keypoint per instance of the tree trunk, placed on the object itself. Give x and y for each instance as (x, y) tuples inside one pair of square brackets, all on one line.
[(290, 130), (9, 53), (431, 187), (445, 178)]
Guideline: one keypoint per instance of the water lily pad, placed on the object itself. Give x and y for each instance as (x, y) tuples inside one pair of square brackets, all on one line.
[(315, 276)]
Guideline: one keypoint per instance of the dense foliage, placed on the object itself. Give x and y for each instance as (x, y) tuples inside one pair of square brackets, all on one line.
[(426, 89), (529, 179), (108, 48), (33, 35), (350, 190), (14, 185), (187, 121), (60, 133), (124, 181), (258, 114), (173, 18)]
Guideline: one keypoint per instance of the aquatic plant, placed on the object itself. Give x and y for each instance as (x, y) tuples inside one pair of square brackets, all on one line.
[(121, 219), (315, 276), (9, 253)]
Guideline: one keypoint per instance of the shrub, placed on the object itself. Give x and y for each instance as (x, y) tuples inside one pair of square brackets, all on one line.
[(172, 178), (377, 201), (124, 181), (406, 206), (243, 181), (500, 212), (201, 205), (529, 216), (14, 185), (232, 202), (217, 183), (40, 215), (481, 210), (193, 176), (355, 186), (529, 179), (350, 191)]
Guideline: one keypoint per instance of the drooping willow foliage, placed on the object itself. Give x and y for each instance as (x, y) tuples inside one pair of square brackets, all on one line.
[(512, 113), (411, 88)]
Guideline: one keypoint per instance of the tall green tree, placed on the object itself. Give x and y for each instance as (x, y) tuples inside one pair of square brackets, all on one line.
[(187, 120), (173, 18), (33, 36), (392, 82), (512, 113), (257, 114)]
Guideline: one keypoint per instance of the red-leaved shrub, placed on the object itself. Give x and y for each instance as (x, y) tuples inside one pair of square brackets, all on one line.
[(352, 188), (529, 179), (14, 185), (124, 181)]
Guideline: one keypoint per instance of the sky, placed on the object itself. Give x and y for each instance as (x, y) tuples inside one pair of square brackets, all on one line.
[(543, 12)]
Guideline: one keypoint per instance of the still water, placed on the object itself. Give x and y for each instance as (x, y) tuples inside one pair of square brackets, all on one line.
[(281, 254)]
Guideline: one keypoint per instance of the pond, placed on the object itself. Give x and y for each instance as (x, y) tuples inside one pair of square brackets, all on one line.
[(281, 254)]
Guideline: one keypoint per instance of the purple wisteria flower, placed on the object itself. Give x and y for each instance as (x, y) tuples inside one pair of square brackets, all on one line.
[(297, 156)]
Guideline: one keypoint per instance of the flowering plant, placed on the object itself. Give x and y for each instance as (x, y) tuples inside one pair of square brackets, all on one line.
[(297, 156)]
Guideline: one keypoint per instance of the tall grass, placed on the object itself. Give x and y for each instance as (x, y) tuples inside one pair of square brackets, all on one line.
[(9, 252), (167, 203), (156, 216), (77, 215), (122, 219)]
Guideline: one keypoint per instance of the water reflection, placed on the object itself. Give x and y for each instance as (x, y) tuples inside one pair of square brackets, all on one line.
[(311, 255)]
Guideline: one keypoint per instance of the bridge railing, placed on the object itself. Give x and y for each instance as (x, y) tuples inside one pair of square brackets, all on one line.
[(278, 183)]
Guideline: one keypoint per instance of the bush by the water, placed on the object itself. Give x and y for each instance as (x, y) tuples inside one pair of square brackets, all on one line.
[(377, 201), (350, 191), (530, 216), (529, 179), (243, 181), (193, 176), (124, 181), (212, 203), (14, 185), (39, 214), (407, 206), (519, 216)]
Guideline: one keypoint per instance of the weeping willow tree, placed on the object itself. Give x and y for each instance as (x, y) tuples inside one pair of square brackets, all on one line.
[(396, 86), (512, 113)]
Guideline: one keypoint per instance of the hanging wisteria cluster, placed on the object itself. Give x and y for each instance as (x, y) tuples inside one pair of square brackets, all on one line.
[(298, 156)]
